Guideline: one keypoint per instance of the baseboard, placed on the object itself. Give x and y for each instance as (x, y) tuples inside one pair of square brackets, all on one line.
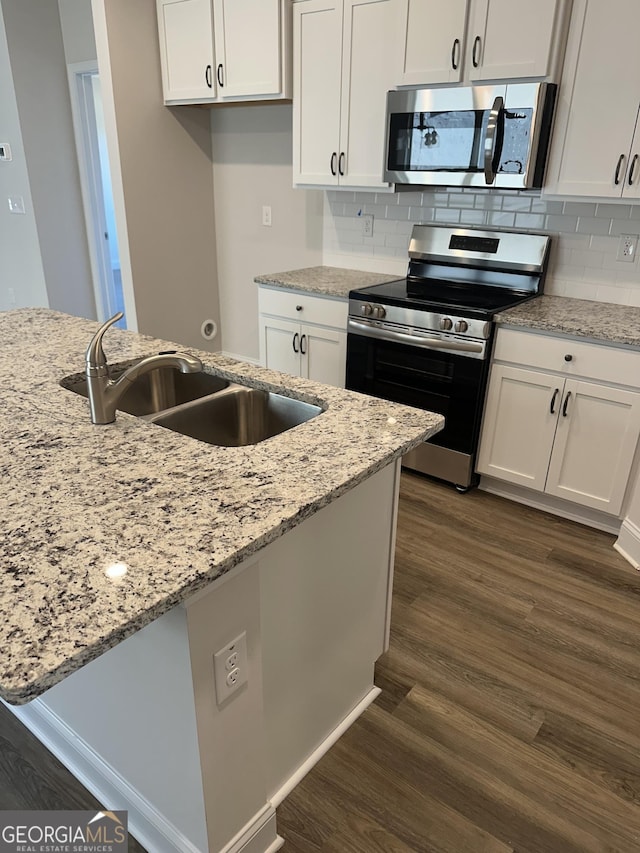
[(278, 796), (258, 836), (551, 504), (628, 542), (146, 823)]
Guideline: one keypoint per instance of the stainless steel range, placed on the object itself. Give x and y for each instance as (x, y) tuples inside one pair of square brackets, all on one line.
[(425, 340)]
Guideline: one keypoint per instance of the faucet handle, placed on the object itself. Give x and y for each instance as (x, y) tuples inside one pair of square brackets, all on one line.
[(95, 357)]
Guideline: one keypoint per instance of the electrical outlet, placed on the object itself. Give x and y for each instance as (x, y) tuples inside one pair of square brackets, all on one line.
[(230, 668), (627, 248), (367, 224), (266, 215)]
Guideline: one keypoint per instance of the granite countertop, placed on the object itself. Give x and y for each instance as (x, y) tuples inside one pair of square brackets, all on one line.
[(325, 281), (78, 497), (600, 321)]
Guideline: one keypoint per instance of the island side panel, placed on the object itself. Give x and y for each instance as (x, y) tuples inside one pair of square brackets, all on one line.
[(125, 725), (324, 622), (231, 734)]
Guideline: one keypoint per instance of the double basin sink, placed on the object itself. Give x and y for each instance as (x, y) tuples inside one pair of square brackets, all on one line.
[(206, 407)]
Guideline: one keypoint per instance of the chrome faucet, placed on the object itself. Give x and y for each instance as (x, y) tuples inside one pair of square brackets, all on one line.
[(105, 393)]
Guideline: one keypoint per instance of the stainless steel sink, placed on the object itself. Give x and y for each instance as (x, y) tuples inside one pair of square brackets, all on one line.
[(237, 416), (158, 390), (204, 406)]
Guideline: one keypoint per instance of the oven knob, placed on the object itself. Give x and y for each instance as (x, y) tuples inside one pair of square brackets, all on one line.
[(446, 323), (380, 312), (366, 309), (461, 326)]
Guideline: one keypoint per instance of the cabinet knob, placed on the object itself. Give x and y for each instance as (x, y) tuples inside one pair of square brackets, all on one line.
[(568, 357), (298, 307)]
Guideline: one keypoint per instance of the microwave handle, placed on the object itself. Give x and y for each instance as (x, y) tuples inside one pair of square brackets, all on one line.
[(493, 140)]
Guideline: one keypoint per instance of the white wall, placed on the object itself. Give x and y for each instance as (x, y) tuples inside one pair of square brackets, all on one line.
[(76, 21), (252, 167), (161, 170), (38, 66), (22, 281)]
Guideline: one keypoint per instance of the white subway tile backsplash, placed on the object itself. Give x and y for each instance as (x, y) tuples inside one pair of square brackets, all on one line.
[(579, 208), (586, 258), (407, 199), (460, 200), (549, 207), (590, 225), (586, 233), (501, 219), (529, 220), (610, 293), (472, 216), (399, 213), (613, 211), (375, 209), (442, 214), (603, 244), (516, 202), (561, 223), (624, 226), (488, 201), (398, 241)]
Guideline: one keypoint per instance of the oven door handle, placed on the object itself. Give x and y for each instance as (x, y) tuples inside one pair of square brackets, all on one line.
[(423, 341)]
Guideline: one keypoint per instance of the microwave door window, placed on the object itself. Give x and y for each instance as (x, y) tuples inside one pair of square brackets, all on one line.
[(437, 141), (517, 139)]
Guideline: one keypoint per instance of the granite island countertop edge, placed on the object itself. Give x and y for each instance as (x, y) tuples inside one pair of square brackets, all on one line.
[(138, 479)]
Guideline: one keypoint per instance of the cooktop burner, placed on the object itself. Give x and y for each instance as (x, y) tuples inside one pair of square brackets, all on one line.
[(442, 296)]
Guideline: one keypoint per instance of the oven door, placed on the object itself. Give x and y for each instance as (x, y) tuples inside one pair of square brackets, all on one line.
[(447, 382)]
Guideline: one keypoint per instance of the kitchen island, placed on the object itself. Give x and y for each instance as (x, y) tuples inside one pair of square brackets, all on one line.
[(289, 542)]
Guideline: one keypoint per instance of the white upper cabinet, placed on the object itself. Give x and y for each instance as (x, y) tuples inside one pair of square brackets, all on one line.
[(346, 58), (595, 146), (434, 39), (216, 51), (186, 49), (447, 41)]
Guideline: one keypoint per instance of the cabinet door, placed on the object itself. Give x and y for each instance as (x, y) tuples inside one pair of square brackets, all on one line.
[(595, 444), (521, 413), (280, 345), (248, 50), (511, 38), (186, 49), (324, 355), (433, 41), (371, 58), (593, 135), (632, 178), (317, 50)]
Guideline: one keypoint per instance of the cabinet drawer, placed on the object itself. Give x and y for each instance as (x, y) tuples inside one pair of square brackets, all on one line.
[(594, 361), (295, 305)]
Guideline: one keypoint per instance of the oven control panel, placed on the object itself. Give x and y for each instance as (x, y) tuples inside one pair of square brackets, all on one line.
[(418, 319)]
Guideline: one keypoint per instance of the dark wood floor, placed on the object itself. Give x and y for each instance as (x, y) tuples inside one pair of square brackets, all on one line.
[(509, 718)]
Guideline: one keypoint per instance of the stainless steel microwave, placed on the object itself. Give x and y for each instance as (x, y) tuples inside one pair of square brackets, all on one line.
[(470, 136)]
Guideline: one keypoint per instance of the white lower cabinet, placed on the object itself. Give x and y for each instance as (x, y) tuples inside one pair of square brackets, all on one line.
[(303, 335), (553, 432)]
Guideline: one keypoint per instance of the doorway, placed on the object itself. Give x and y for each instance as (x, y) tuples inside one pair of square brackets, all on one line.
[(95, 179)]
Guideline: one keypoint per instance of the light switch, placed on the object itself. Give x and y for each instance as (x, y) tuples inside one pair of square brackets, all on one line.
[(5, 151), (16, 204)]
